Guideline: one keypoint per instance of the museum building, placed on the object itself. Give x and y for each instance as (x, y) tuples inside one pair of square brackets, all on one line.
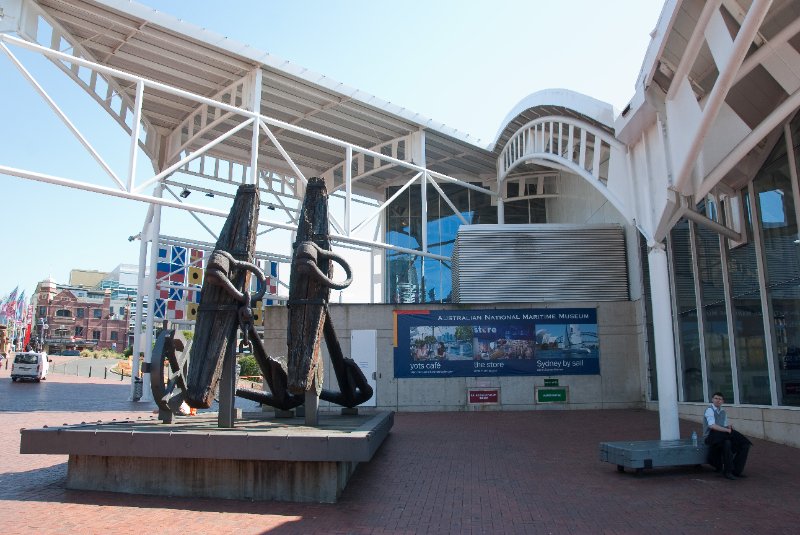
[(584, 258)]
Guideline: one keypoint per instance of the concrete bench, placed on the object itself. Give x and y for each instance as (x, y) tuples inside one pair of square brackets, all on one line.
[(643, 454)]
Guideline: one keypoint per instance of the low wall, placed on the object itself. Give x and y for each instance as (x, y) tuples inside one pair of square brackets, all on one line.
[(619, 385), (781, 425)]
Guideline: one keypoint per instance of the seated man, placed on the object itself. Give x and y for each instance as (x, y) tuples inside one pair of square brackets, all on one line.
[(728, 448)]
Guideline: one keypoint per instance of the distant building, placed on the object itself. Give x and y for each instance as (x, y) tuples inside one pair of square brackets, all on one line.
[(85, 278), (96, 310)]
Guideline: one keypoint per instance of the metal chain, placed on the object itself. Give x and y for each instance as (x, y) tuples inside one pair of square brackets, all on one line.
[(222, 279)]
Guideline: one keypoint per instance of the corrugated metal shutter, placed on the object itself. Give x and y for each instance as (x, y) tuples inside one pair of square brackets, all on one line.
[(525, 263)]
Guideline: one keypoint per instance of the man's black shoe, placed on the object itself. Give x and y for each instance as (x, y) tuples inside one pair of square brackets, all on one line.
[(729, 476), (739, 476)]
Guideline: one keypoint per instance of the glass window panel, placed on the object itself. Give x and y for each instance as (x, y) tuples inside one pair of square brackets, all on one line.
[(481, 206), (718, 358), (751, 352), (515, 213), (782, 256), (688, 328), (538, 211), (648, 312)]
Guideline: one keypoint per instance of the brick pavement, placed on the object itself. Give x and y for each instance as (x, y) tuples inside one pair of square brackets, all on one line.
[(468, 472)]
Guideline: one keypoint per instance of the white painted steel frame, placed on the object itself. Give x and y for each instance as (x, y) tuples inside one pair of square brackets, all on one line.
[(130, 190), (698, 299), (250, 116), (728, 67), (537, 141)]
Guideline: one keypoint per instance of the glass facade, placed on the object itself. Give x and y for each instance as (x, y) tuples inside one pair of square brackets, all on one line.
[(416, 279), (738, 305)]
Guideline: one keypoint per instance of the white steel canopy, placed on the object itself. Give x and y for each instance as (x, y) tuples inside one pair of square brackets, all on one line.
[(140, 41)]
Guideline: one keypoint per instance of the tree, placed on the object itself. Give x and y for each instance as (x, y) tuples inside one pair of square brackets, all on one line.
[(249, 366)]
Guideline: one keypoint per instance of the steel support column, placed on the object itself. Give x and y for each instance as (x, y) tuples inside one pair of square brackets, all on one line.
[(155, 232), (664, 342)]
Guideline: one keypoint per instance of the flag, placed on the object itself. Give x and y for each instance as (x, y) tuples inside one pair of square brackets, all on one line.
[(174, 310), (270, 270), (178, 257), (175, 294), (258, 314), (10, 307), (162, 264), (160, 309), (195, 275), (21, 307), (272, 282), (27, 336)]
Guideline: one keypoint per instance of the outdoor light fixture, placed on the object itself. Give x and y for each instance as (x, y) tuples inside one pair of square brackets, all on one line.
[(185, 193), (270, 207), (209, 194)]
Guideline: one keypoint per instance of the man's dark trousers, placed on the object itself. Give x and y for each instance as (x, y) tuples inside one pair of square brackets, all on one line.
[(730, 448)]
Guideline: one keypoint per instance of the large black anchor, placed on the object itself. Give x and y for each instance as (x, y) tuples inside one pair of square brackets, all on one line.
[(309, 319), (226, 308), (220, 268)]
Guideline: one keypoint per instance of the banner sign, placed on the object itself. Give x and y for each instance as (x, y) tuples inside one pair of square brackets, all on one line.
[(480, 343)]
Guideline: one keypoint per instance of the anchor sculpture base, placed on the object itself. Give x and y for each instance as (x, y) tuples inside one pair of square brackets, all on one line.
[(264, 458)]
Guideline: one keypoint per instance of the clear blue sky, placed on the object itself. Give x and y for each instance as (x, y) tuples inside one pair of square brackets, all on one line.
[(462, 63)]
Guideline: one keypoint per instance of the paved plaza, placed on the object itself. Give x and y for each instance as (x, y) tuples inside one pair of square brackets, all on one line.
[(466, 472)]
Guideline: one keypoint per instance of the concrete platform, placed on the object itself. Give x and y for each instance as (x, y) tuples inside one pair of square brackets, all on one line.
[(262, 458)]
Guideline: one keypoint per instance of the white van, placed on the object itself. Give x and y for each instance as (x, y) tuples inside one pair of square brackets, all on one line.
[(30, 366)]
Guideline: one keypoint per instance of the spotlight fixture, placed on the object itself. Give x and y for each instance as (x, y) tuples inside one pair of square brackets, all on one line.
[(185, 193), (270, 207), (209, 194)]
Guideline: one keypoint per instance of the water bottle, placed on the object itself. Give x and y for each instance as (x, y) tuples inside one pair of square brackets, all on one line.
[(694, 438)]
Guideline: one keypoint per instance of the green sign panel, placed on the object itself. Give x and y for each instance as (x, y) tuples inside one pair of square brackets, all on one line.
[(551, 395), (551, 382)]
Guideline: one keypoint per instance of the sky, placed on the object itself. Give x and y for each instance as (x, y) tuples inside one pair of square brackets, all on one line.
[(462, 63)]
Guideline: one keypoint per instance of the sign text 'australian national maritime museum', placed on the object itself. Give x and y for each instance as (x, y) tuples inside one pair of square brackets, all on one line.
[(481, 343)]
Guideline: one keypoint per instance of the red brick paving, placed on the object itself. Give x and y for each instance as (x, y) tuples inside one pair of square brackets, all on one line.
[(466, 472)]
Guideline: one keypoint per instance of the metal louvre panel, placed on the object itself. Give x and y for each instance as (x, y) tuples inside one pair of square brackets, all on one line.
[(528, 263)]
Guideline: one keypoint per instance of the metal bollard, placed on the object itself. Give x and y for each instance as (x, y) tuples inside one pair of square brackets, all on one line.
[(105, 372), (90, 371)]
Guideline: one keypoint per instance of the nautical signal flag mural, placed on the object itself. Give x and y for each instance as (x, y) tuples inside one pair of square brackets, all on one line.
[(176, 269), (270, 270), (180, 272)]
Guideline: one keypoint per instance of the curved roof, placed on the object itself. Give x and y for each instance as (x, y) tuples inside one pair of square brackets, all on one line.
[(554, 102)]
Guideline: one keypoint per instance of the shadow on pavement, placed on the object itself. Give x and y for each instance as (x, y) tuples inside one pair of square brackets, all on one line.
[(52, 395)]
